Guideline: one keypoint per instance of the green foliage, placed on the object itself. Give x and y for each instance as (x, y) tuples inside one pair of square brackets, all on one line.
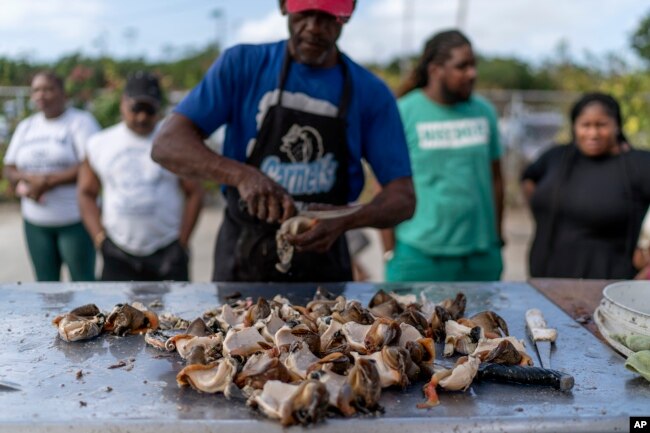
[(391, 77), (188, 71), (4, 183), (629, 86), (641, 39), (631, 90), (510, 73), (96, 82), (106, 107), (17, 72)]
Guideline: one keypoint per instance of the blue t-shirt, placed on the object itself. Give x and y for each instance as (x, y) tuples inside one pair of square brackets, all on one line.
[(242, 85)]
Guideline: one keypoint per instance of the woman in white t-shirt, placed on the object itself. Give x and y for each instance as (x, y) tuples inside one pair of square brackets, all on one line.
[(41, 164)]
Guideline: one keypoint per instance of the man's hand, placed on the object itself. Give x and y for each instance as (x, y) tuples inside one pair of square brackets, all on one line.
[(394, 204), (264, 198), (320, 237)]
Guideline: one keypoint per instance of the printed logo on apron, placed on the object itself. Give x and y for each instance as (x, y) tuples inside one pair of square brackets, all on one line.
[(310, 170)]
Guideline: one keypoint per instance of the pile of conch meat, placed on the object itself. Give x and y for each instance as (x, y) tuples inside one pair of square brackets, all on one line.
[(301, 363)]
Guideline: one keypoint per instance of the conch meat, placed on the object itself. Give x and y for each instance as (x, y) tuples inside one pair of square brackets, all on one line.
[(82, 323), (293, 226)]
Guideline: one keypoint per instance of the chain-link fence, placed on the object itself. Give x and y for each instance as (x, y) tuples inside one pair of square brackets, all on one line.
[(14, 103), (529, 122), (13, 107)]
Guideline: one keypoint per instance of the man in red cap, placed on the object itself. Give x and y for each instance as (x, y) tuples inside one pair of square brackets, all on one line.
[(300, 116), (340, 9)]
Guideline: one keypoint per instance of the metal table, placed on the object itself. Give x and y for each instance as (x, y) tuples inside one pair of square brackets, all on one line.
[(64, 387)]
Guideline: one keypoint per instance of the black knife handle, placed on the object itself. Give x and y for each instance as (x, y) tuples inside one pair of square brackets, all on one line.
[(526, 376)]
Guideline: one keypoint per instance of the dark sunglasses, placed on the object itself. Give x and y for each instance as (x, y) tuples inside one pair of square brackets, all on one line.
[(144, 107)]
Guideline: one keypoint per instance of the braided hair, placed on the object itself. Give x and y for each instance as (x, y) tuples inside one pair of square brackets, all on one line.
[(437, 50)]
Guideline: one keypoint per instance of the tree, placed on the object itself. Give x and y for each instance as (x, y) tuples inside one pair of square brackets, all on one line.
[(505, 73), (641, 39)]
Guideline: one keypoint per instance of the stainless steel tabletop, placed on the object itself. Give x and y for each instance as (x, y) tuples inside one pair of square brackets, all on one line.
[(64, 387)]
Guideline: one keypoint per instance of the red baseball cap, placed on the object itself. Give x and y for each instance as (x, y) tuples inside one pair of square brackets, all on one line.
[(339, 8)]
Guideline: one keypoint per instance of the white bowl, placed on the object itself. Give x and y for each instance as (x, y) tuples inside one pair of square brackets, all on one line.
[(624, 310)]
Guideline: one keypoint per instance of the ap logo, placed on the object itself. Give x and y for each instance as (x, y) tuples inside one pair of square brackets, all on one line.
[(639, 424)]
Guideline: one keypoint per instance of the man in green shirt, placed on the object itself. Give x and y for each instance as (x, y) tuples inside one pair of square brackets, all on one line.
[(453, 140)]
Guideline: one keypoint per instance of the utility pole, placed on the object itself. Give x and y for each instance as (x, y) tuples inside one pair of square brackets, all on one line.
[(130, 34), (407, 33), (219, 16), (461, 14)]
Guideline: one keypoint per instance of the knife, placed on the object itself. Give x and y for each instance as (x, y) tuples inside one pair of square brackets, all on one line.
[(525, 376), (303, 210), (9, 386), (541, 334), (329, 213)]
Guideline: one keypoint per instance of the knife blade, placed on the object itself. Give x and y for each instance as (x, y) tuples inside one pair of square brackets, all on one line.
[(541, 334), (9, 386), (302, 209), (329, 213)]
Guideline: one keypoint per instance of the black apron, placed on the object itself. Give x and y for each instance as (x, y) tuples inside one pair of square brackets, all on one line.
[(308, 155)]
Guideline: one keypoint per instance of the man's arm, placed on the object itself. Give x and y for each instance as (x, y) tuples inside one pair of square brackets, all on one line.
[(497, 185), (88, 187), (394, 204), (193, 204), (179, 147)]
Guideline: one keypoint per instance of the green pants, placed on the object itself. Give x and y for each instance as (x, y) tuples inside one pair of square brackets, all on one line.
[(410, 264), (50, 247)]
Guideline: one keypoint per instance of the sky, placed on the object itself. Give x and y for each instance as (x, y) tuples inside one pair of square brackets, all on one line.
[(379, 31)]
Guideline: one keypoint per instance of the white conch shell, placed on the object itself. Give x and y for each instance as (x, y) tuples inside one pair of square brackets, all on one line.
[(243, 342), (355, 333), (74, 328), (292, 404), (211, 378), (293, 226), (488, 344), (299, 359), (388, 375), (269, 326), (340, 392), (229, 317), (184, 343), (329, 334), (458, 339), (409, 333), (462, 375)]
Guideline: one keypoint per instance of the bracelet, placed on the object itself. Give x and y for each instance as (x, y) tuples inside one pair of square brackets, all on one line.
[(388, 255), (99, 239)]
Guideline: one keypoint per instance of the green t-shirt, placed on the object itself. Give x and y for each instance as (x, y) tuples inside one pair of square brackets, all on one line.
[(451, 150)]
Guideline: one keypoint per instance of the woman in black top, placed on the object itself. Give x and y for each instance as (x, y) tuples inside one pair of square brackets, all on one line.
[(588, 197)]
